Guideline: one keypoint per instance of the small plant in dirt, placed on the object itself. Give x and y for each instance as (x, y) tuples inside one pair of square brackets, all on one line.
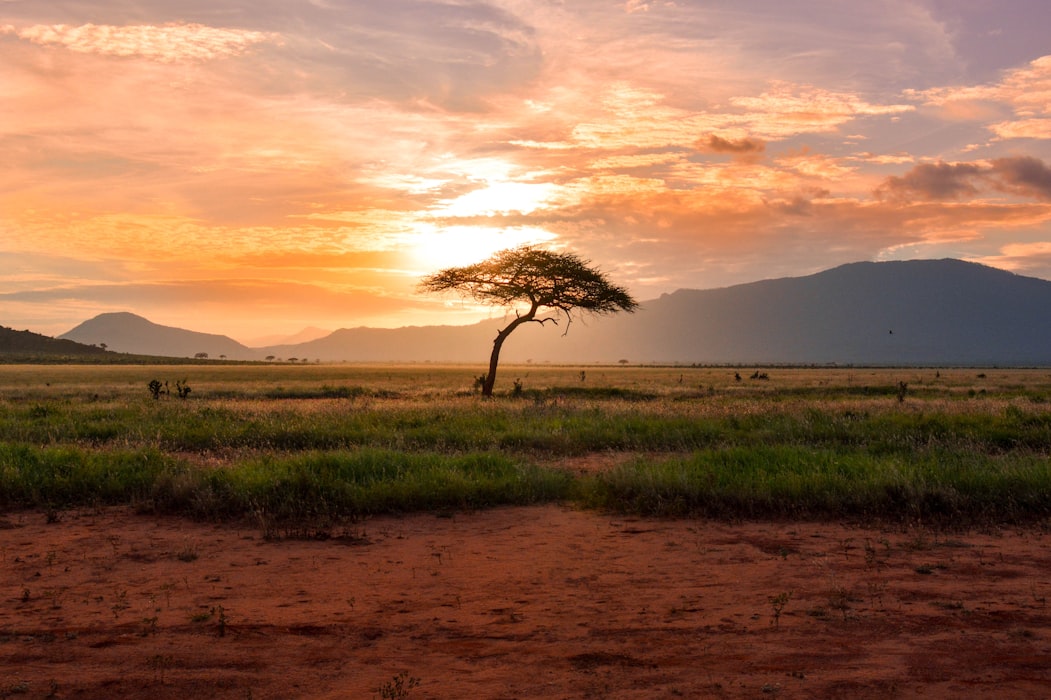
[(149, 626), (19, 688), (187, 554), (778, 603), (121, 605), (160, 663), (202, 616), (839, 598), (398, 688), (220, 620)]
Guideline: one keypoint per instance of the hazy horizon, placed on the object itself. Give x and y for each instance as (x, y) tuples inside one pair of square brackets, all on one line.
[(255, 168), (496, 314)]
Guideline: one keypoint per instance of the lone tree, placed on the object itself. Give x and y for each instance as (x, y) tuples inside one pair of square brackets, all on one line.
[(543, 280)]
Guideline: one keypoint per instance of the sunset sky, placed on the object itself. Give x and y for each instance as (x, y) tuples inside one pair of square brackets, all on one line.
[(254, 167)]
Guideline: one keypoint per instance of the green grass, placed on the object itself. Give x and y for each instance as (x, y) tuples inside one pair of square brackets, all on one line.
[(300, 486), (790, 481), (324, 441)]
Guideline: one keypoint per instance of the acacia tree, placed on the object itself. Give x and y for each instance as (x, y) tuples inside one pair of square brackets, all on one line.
[(543, 280)]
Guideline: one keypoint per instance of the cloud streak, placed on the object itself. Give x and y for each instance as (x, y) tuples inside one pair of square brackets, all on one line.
[(169, 43)]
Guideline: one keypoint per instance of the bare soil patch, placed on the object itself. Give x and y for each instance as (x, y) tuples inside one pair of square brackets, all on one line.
[(541, 602)]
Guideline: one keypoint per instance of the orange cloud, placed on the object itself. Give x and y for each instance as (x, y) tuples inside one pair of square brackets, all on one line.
[(168, 43), (787, 109), (1023, 129), (1022, 90)]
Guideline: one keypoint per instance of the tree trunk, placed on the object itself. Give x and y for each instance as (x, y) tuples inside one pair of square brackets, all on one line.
[(498, 342)]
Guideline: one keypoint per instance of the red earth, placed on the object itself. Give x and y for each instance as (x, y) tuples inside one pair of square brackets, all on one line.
[(532, 602)]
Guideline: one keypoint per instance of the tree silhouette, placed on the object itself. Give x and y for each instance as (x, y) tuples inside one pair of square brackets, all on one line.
[(543, 280)]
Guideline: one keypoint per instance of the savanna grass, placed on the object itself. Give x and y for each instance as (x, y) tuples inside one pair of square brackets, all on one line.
[(319, 441), (302, 486), (794, 482), (371, 481)]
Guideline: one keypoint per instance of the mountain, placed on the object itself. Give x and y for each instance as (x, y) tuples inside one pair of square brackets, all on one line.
[(26, 344), (303, 336), (919, 312), (126, 332), (410, 344), (923, 312)]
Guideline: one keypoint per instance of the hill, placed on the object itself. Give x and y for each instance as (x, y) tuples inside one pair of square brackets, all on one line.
[(920, 312), (19, 345), (128, 333)]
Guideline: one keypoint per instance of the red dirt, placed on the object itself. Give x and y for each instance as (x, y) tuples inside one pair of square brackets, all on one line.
[(543, 602)]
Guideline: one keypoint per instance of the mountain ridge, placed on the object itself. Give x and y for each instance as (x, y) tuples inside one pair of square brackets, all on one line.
[(27, 344), (917, 312)]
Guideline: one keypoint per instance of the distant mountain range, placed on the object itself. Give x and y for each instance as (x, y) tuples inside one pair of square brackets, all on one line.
[(921, 312)]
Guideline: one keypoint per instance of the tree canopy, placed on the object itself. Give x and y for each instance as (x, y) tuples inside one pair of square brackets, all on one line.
[(544, 280)]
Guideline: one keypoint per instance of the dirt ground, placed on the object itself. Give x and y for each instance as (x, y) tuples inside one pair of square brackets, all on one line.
[(541, 602)]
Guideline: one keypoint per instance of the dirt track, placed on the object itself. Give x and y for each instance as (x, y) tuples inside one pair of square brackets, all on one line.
[(542, 602)]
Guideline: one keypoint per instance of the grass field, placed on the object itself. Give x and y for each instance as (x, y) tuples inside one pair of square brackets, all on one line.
[(317, 443)]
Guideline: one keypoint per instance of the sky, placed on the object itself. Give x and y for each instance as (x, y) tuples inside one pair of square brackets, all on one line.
[(257, 167)]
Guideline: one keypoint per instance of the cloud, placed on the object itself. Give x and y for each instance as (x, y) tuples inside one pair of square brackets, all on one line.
[(785, 109), (1020, 175), (1022, 258), (1023, 129), (630, 116), (1024, 175), (744, 146), (1024, 91), (429, 57), (168, 43), (933, 181)]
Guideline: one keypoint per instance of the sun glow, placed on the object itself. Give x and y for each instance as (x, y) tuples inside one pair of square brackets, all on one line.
[(436, 248), (500, 198), (447, 234)]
